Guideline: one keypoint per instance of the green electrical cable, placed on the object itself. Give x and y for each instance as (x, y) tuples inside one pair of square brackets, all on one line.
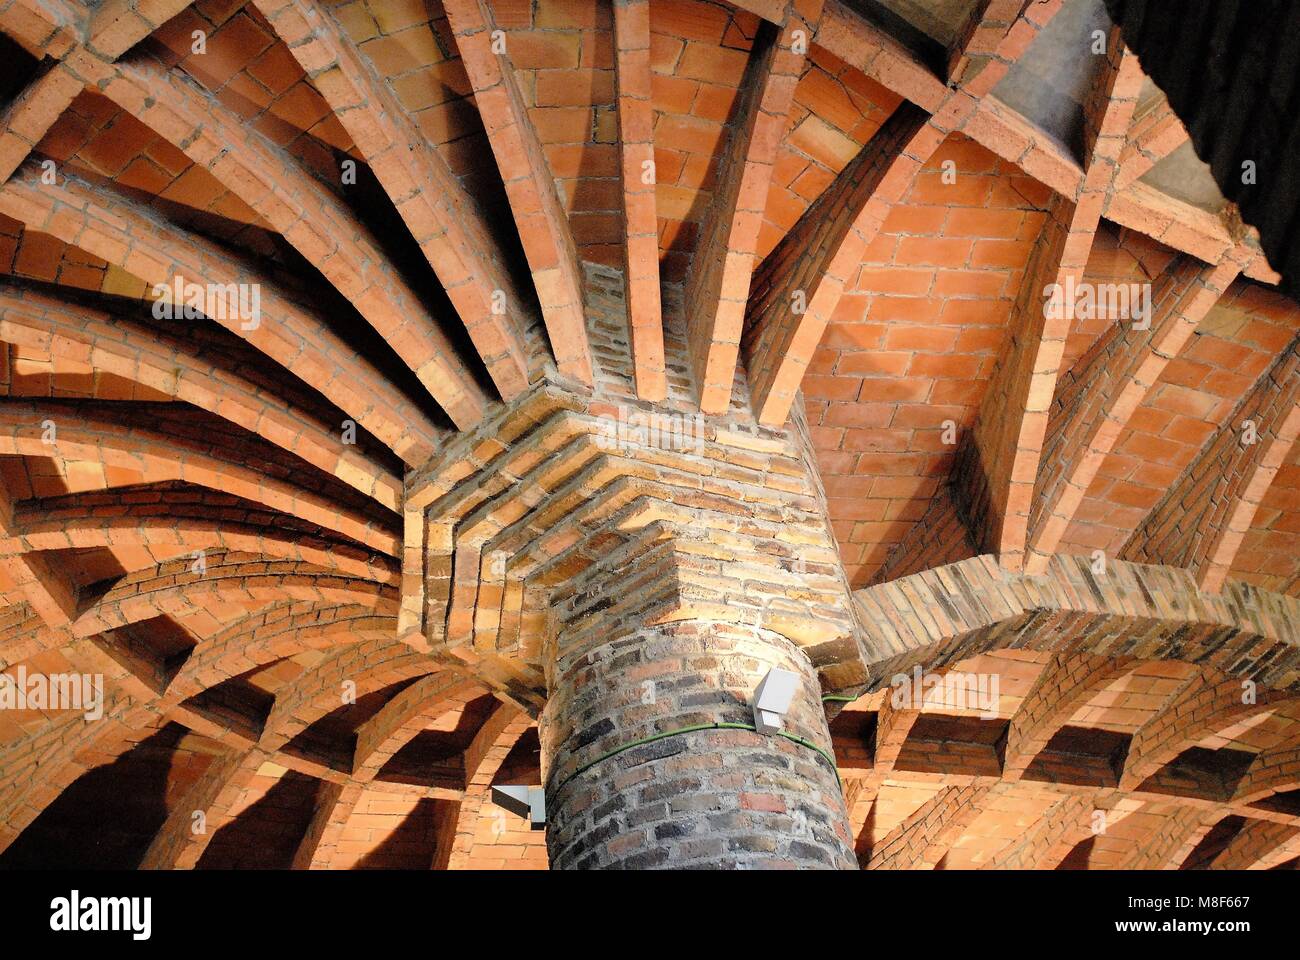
[(793, 738)]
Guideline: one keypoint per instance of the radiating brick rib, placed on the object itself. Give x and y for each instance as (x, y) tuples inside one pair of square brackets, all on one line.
[(993, 39), (443, 218), (56, 756), (862, 44), (1273, 770), (1066, 683), (179, 843), (1153, 136), (813, 263), (1058, 830), (1092, 408), (29, 117), (174, 367), (1176, 836), (48, 592), (44, 27), (267, 636), (1259, 845), (640, 224), (922, 840), (1202, 520), (179, 590), (866, 46), (167, 537), (1200, 707), (543, 226), (378, 739), (95, 220), (118, 25), (156, 457), (364, 667), (998, 464), (718, 284), (309, 217), (482, 759)]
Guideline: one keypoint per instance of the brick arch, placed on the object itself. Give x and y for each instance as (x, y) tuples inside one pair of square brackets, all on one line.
[(160, 538), (378, 740), (1272, 771), (22, 633), (283, 630), (106, 226), (307, 215), (176, 589), (454, 237), (371, 665), (172, 368), (497, 737), (1150, 612), (149, 456), (1204, 705)]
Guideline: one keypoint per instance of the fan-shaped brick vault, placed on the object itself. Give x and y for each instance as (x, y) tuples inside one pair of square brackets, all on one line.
[(407, 398)]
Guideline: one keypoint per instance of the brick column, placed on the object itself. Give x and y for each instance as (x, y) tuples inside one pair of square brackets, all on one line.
[(723, 798), (634, 571)]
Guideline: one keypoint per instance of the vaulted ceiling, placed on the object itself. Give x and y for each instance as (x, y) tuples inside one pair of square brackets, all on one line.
[(428, 195)]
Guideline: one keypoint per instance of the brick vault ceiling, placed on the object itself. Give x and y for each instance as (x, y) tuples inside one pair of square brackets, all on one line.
[(917, 174)]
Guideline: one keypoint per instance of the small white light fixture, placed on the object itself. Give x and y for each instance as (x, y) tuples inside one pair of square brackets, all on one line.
[(527, 802), (772, 699)]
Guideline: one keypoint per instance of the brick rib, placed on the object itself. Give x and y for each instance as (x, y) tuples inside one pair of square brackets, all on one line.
[(371, 665), (922, 840), (280, 631), (1153, 136), (1272, 771), (177, 846), (1202, 520), (483, 758), (1201, 707), (997, 465), (543, 226), (46, 28), (814, 262), (378, 739), (48, 593), (32, 113), (175, 367), (171, 536), (1066, 683), (313, 220), (442, 216), (118, 25), (1259, 845), (640, 223), (174, 588), (334, 806), (95, 220), (155, 457), (820, 253), (718, 284), (1166, 847), (58, 755), (1096, 400)]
